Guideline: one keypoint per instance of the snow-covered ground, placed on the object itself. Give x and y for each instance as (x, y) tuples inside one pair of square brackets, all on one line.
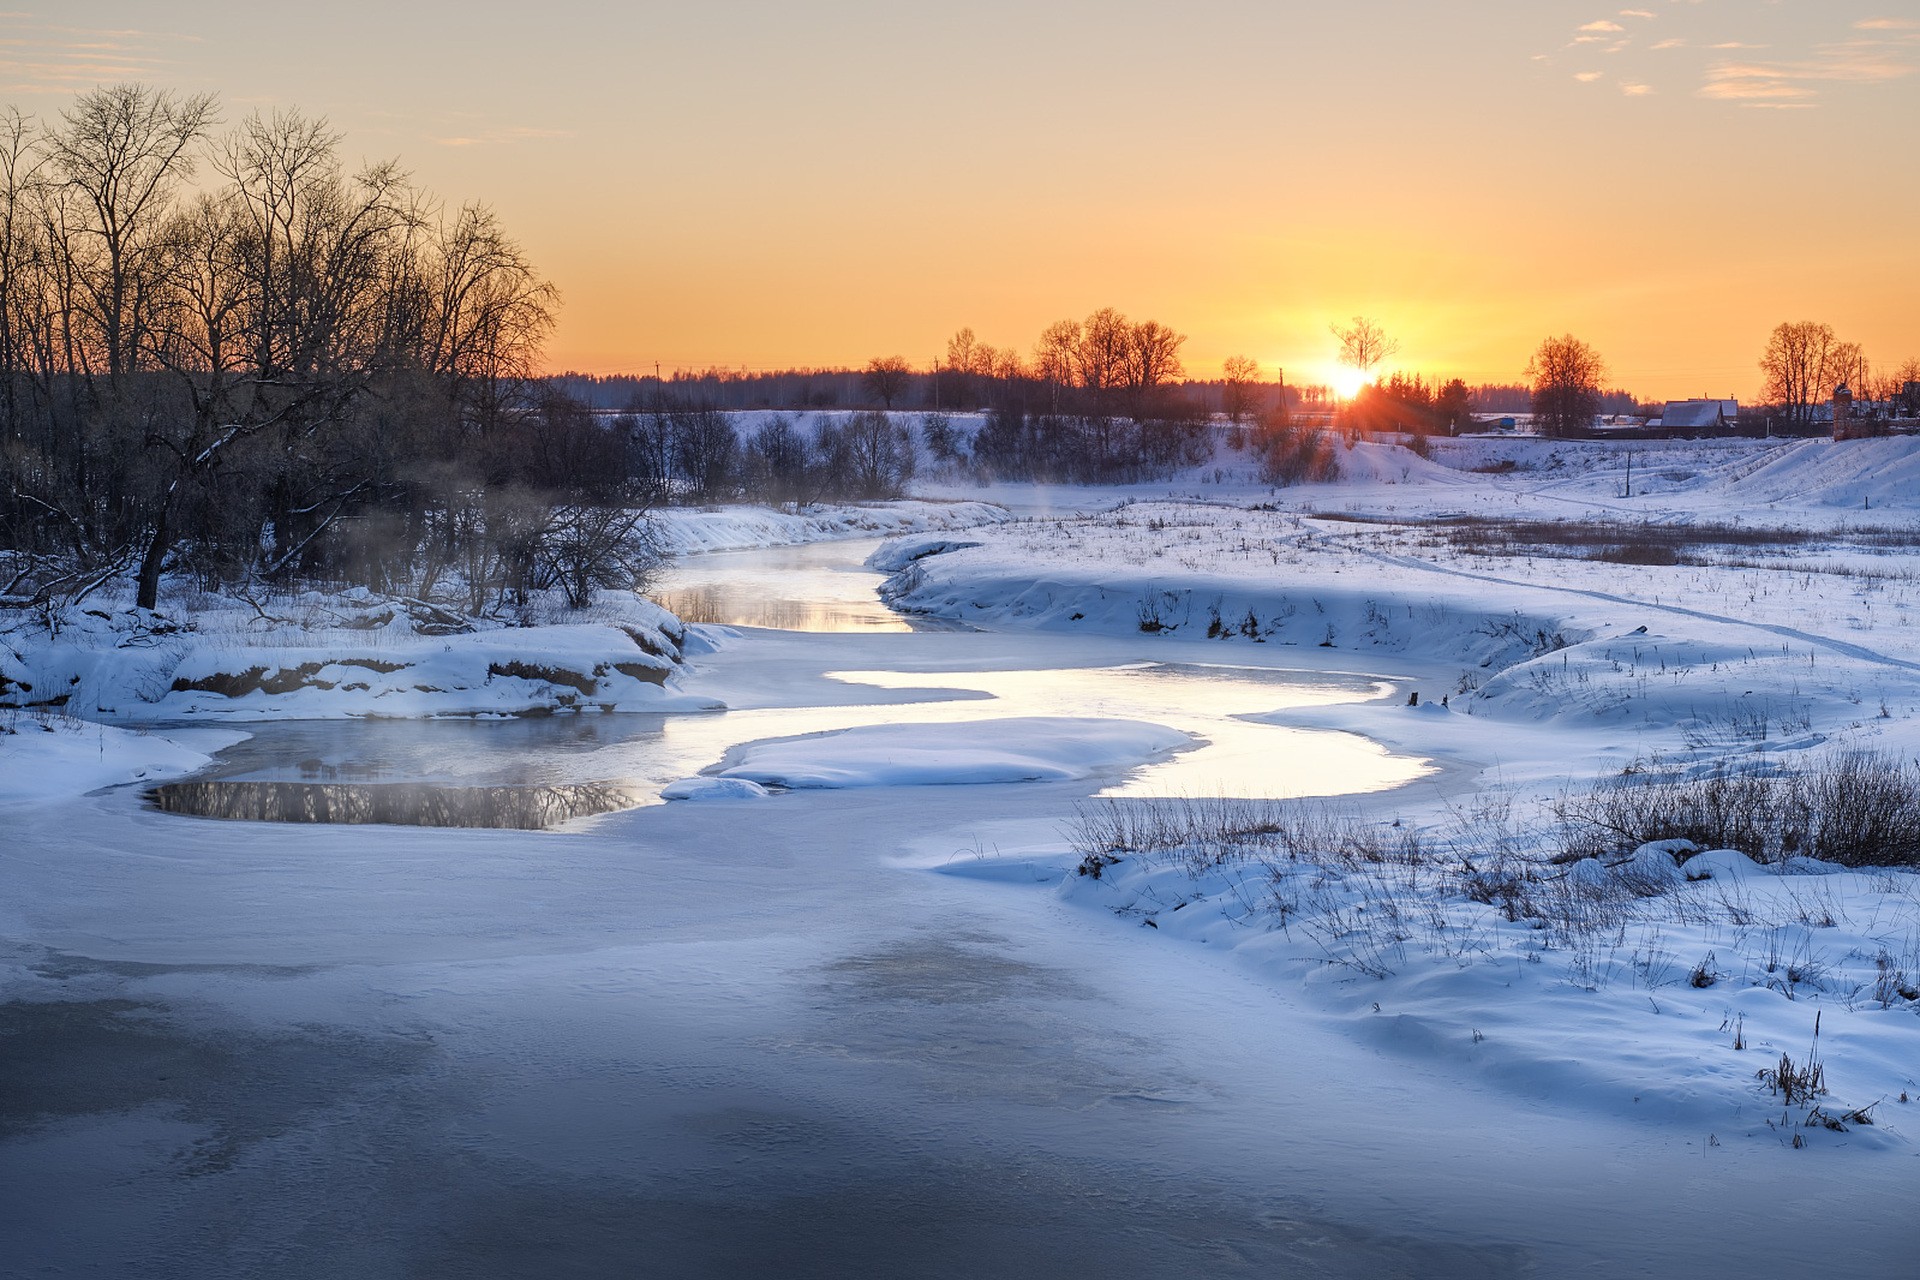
[(844, 1017), (47, 757), (685, 530), (1542, 664)]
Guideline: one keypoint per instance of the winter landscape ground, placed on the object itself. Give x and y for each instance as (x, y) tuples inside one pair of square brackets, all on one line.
[(1187, 878)]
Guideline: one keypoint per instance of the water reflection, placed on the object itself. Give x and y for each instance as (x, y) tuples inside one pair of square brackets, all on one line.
[(457, 751), (726, 604), (821, 586), (411, 804), (538, 772)]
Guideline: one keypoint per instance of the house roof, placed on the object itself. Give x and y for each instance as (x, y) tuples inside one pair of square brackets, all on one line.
[(1698, 413)]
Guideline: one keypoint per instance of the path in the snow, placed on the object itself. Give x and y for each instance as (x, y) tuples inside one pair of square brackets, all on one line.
[(1842, 647)]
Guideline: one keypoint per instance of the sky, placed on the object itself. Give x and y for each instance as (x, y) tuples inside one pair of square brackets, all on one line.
[(761, 185)]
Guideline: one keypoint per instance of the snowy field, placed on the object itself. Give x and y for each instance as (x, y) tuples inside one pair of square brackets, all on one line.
[(1131, 917)]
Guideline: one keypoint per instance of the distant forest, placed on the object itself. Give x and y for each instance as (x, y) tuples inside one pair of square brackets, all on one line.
[(801, 390)]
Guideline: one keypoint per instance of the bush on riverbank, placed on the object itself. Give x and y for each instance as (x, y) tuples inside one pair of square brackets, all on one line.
[(1857, 808)]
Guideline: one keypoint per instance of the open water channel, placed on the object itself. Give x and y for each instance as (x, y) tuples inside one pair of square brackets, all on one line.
[(576, 765)]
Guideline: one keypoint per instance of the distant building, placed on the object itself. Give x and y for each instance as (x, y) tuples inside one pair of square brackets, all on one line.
[(1683, 417)]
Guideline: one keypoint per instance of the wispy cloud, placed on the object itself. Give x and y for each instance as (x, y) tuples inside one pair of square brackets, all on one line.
[(43, 57), (1747, 84), (1850, 62), (1741, 68), (500, 137)]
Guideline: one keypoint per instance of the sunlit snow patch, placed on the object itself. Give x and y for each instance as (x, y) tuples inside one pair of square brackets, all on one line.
[(1026, 749)]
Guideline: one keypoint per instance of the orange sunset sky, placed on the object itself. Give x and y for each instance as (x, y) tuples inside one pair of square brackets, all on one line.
[(762, 185)]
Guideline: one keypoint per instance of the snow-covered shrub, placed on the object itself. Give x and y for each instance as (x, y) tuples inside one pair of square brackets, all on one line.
[(1857, 809), (1298, 456), (1719, 809)]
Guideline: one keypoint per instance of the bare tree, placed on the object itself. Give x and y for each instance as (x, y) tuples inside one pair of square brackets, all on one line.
[(962, 351), (705, 452), (886, 378), (1053, 358), (1566, 375), (1241, 374), (590, 547), (118, 157), (1152, 361), (1851, 366), (873, 455), (22, 261), (967, 359), (271, 321), (280, 169), (1904, 385), (1363, 344), (488, 313), (1100, 358), (1890, 382), (1798, 365), (779, 464)]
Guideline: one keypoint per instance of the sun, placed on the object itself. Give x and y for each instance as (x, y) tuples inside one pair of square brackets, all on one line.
[(1346, 381)]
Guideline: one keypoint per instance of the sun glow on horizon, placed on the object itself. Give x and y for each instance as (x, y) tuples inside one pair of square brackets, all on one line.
[(1346, 380)]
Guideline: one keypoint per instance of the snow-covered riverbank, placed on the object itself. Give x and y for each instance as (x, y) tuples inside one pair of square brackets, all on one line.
[(1539, 655), (883, 1025), (358, 653), (687, 530)]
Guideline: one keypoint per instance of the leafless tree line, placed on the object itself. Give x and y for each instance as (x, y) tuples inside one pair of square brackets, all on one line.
[(227, 351), (1805, 361), (688, 451), (1103, 366), (1098, 399)]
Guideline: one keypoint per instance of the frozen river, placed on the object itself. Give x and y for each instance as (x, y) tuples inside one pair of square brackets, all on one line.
[(818, 1034), (823, 611)]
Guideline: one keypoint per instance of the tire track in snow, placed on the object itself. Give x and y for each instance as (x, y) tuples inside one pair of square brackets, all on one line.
[(1841, 647)]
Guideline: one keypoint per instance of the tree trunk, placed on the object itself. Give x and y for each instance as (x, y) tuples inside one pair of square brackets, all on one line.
[(150, 564)]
